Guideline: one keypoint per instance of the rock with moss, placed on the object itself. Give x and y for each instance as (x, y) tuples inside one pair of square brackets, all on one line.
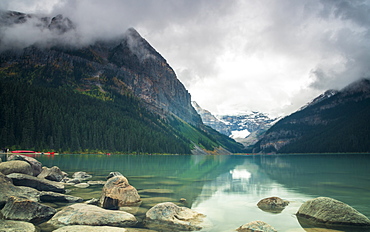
[(331, 213)]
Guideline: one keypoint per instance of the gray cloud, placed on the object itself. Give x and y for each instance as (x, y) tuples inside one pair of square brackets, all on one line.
[(271, 56)]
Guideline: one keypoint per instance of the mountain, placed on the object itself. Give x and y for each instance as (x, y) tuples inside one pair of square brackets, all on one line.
[(336, 121), (125, 76), (245, 128)]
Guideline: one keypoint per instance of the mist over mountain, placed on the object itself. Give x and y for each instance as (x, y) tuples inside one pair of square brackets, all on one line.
[(336, 121), (111, 70)]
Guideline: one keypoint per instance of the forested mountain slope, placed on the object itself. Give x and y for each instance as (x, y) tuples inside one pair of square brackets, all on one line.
[(338, 122), (117, 95)]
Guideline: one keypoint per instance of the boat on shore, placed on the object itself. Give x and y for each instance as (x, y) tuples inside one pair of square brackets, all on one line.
[(31, 153)]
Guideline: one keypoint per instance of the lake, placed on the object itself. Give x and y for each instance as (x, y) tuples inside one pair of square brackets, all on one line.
[(228, 188)]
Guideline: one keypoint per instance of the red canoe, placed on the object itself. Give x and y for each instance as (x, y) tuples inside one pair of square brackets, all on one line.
[(23, 152)]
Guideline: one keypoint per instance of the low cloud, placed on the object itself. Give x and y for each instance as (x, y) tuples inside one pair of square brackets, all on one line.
[(270, 56)]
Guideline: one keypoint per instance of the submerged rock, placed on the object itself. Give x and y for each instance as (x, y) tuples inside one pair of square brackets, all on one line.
[(82, 185), (96, 182), (19, 208), (83, 214), (256, 226), (328, 211), (117, 192), (170, 217), (37, 183), (272, 204), (53, 174), (16, 166)]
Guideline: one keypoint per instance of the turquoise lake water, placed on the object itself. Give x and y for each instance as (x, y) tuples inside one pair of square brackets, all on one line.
[(228, 188)]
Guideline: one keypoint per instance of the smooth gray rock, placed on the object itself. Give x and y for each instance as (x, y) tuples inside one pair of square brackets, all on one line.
[(17, 226), (58, 197), (117, 192), (79, 228), (7, 189), (19, 208), (272, 204), (35, 164), (256, 226), (81, 176), (53, 174), (328, 211), (70, 181), (113, 174), (36, 183), (170, 217), (16, 166), (84, 214)]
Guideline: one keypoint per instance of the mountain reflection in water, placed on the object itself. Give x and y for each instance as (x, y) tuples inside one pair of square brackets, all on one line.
[(228, 188)]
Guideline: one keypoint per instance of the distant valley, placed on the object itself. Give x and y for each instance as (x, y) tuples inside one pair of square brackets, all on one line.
[(246, 128)]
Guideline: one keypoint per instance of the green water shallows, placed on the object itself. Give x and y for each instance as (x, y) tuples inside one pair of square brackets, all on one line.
[(227, 188)]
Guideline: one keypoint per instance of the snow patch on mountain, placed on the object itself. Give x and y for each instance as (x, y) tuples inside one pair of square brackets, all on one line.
[(245, 127), (240, 134)]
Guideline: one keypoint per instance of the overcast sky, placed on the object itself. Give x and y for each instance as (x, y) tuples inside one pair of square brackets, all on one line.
[(271, 56)]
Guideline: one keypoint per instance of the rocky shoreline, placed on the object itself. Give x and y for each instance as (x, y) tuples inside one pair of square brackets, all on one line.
[(27, 187)]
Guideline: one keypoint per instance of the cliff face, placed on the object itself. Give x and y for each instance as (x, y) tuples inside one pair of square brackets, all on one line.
[(336, 121), (128, 65)]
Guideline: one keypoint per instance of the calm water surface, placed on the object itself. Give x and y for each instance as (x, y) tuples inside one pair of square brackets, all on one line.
[(227, 188)]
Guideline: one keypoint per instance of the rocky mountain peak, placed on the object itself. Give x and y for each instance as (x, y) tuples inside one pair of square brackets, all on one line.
[(360, 86), (60, 25)]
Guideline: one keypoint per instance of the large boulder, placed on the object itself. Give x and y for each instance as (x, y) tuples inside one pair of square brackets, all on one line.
[(113, 174), (16, 166), (35, 164), (7, 189), (117, 192), (332, 213), (36, 183), (170, 217), (58, 197), (83, 214), (272, 204), (19, 208), (79, 228), (53, 174), (256, 226), (17, 226)]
